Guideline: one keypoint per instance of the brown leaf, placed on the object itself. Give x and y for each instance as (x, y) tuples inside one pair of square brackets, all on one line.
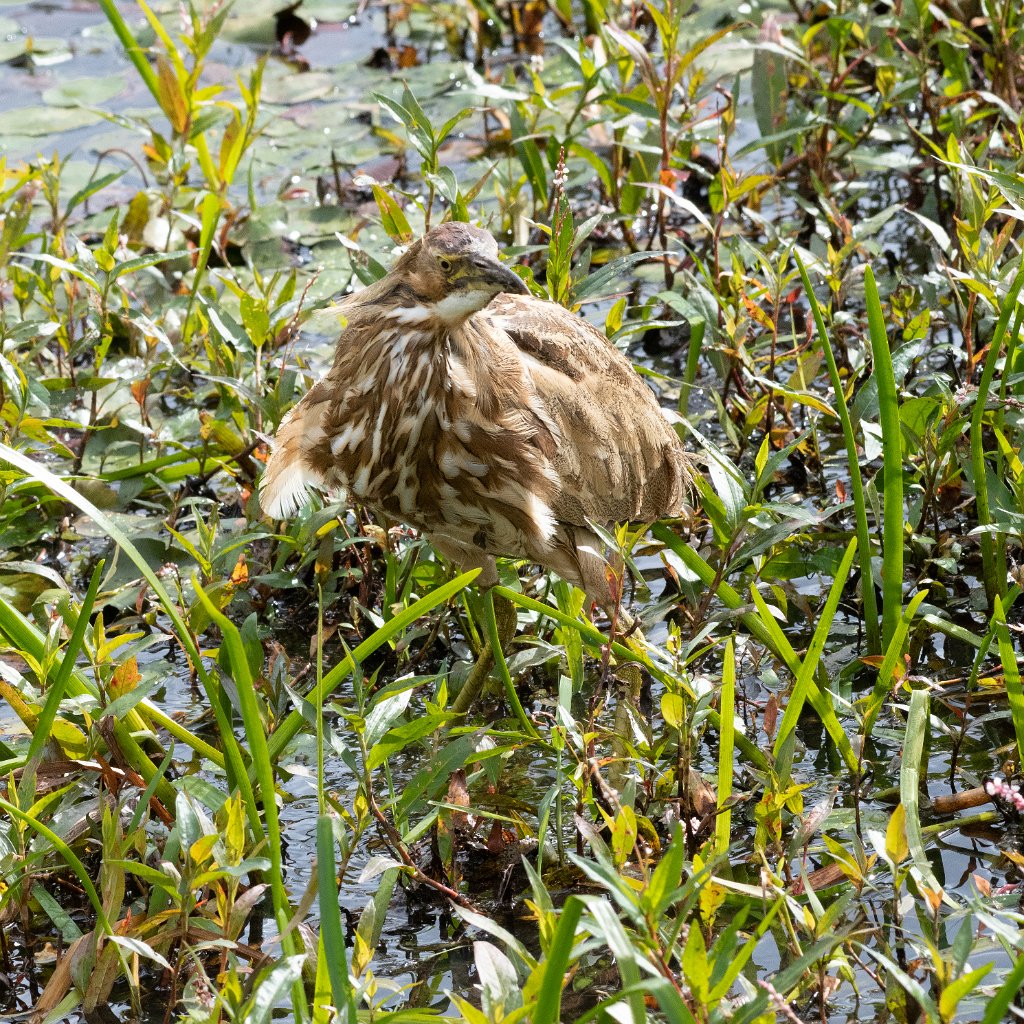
[(823, 878), (60, 981), (771, 716), (458, 788), (498, 840), (458, 796), (703, 800), (172, 98), (139, 389), (933, 897)]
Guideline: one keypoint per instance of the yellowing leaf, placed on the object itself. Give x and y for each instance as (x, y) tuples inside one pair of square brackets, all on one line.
[(672, 709), (125, 678), (221, 434), (71, 739), (201, 849), (624, 834), (240, 573), (172, 99), (896, 836), (392, 217)]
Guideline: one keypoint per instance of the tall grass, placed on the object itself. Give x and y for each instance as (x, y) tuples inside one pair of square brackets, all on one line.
[(892, 461)]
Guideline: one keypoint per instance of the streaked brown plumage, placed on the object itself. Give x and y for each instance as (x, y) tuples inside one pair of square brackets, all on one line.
[(496, 423)]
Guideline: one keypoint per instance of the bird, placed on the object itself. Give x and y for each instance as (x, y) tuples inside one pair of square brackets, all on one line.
[(496, 423)]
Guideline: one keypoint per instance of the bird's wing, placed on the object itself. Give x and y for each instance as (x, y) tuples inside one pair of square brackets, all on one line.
[(301, 456), (292, 469), (618, 458)]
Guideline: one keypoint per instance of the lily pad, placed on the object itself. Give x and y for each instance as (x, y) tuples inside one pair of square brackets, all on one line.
[(11, 48), (22, 589), (17, 145), (87, 92), (37, 121), (41, 52), (298, 88)]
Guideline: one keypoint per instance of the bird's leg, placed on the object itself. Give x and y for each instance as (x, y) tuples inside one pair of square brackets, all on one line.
[(498, 619), (468, 558), (579, 559)]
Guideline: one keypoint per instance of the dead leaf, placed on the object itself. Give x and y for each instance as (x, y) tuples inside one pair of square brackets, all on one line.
[(771, 716)]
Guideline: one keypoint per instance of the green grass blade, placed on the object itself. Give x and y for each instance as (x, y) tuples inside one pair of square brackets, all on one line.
[(592, 635), (60, 682), (234, 762), (893, 653), (993, 576), (1011, 676), (922, 1000), (697, 328), (290, 727), (256, 736), (812, 659), (330, 921), (726, 749), (209, 211), (547, 1009), (910, 785), (135, 53), (892, 461), (996, 1010), (710, 578), (669, 1000), (815, 695), (23, 636), (494, 638), (81, 873), (853, 464)]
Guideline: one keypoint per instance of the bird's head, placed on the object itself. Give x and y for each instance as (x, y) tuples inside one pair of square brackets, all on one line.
[(455, 270)]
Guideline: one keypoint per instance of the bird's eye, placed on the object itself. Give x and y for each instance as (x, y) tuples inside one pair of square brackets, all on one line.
[(446, 265)]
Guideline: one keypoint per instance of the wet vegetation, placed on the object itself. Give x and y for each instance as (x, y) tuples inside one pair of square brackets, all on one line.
[(256, 770)]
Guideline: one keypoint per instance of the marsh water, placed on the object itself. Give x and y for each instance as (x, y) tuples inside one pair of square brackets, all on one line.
[(66, 88)]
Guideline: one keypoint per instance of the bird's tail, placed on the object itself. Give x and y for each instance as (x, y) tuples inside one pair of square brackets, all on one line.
[(289, 473)]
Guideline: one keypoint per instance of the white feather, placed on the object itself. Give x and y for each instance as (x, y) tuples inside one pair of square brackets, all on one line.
[(283, 493), (454, 308), (542, 516)]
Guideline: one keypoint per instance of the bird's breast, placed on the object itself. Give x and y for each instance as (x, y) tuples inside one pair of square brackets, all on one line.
[(421, 429)]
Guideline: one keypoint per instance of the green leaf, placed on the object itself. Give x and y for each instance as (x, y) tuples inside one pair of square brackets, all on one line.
[(529, 155), (612, 276), (1011, 676), (547, 1009), (995, 1011), (151, 260), (910, 785), (392, 217), (660, 892)]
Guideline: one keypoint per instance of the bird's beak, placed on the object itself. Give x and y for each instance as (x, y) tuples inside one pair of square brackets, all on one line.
[(498, 274)]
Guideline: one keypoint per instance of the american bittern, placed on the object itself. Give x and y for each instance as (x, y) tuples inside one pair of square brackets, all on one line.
[(494, 422)]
